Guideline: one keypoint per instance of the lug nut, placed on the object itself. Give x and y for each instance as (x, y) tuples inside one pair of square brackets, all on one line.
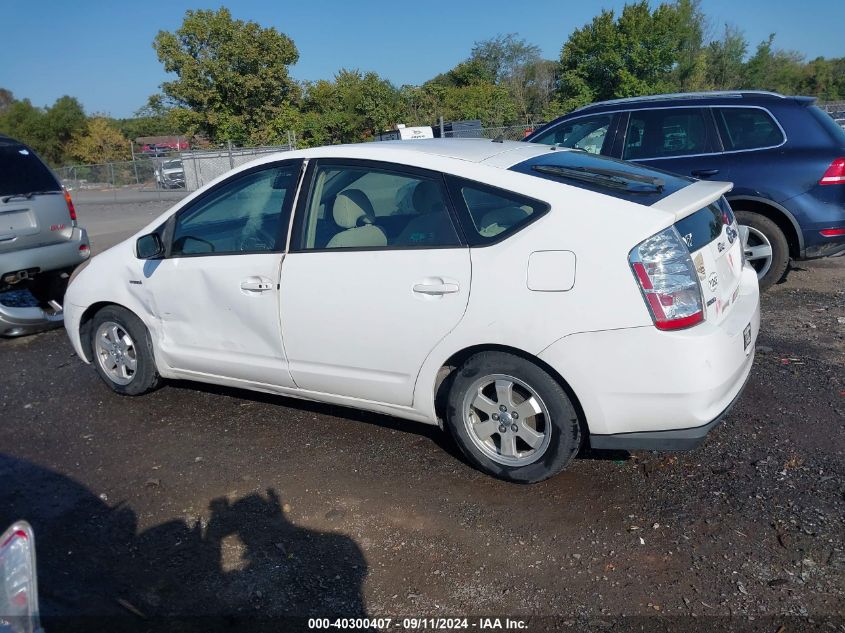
[(496, 417), (514, 415), (502, 428), (514, 428), (502, 408)]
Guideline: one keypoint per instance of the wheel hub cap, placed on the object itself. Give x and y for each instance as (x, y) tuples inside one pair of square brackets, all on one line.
[(506, 420)]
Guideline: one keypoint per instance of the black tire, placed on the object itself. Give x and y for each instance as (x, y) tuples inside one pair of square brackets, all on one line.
[(562, 423), (780, 246), (145, 377)]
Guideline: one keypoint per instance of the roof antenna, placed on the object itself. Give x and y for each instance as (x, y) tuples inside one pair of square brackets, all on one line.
[(499, 139)]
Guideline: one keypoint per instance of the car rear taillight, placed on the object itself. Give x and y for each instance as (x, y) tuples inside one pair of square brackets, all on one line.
[(835, 174), (70, 208), (667, 278), (18, 580)]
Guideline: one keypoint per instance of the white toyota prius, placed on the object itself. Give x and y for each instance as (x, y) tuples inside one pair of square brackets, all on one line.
[(529, 298)]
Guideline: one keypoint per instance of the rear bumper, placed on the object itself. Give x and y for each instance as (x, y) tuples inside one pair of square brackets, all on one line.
[(641, 387), (21, 321), (674, 440), (833, 247), (64, 254)]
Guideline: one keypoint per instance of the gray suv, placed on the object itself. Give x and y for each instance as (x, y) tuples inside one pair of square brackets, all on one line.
[(40, 242)]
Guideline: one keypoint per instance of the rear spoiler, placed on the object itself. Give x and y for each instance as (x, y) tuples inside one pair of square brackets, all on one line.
[(690, 199)]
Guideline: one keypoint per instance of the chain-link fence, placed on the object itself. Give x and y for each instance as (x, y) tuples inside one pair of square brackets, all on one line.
[(506, 133), (203, 166), (191, 169), (836, 109)]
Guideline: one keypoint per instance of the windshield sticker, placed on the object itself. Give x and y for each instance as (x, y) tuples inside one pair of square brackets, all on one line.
[(688, 239)]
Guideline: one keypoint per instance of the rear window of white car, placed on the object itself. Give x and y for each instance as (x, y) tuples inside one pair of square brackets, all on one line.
[(490, 214), (21, 171), (612, 177)]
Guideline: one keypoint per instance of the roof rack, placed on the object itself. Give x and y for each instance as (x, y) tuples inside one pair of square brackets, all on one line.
[(735, 94)]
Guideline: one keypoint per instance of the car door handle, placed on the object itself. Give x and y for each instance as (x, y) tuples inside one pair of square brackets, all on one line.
[(704, 173), (440, 287), (256, 284)]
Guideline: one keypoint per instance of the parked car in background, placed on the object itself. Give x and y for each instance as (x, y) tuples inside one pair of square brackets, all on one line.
[(784, 155), (40, 242), (170, 174), (496, 297)]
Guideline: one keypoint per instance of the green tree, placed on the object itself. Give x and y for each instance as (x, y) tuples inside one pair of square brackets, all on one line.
[(353, 107), (99, 142), (610, 57), (62, 121), (6, 98), (48, 131), (825, 78), (232, 76), (773, 69), (689, 25), (725, 60)]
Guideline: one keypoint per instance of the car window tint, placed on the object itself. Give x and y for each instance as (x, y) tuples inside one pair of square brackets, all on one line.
[(21, 171), (666, 132), (587, 133), (495, 213), (244, 215), (362, 207), (747, 128)]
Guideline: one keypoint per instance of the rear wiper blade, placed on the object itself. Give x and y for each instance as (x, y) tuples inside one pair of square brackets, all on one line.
[(27, 195), (611, 178)]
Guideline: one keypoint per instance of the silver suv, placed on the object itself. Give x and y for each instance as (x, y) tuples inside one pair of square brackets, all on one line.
[(40, 242)]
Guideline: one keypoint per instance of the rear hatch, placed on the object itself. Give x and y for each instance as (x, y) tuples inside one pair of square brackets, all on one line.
[(712, 237), (702, 216), (33, 210)]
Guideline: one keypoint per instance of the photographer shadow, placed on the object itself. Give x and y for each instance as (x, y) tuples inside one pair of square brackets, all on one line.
[(244, 567)]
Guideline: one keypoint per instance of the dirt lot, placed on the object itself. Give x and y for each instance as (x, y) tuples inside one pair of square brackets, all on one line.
[(199, 500)]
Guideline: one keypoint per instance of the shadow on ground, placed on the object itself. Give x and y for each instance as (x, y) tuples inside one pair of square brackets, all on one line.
[(243, 566)]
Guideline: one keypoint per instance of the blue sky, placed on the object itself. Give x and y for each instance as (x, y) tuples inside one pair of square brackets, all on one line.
[(101, 53)]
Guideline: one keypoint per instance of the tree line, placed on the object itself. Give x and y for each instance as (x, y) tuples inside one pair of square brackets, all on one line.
[(231, 82)]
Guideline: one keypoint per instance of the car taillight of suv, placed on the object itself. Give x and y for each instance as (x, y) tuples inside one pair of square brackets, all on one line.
[(668, 281), (835, 174)]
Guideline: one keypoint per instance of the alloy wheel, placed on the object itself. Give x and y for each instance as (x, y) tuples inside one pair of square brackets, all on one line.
[(507, 420)]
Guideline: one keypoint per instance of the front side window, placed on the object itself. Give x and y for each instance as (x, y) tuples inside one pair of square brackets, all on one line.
[(355, 206), (247, 214), (747, 128), (494, 213), (587, 133), (665, 133)]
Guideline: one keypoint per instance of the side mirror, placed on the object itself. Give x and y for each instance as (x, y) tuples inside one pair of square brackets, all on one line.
[(149, 247)]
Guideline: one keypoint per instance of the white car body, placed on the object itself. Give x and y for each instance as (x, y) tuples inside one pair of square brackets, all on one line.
[(347, 327)]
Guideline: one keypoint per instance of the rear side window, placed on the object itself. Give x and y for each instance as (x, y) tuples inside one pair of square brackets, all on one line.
[(665, 133), (587, 133), (492, 214), (21, 171), (747, 128)]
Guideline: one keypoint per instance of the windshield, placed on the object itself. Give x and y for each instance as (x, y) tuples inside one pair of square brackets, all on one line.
[(601, 174), (21, 171), (173, 164)]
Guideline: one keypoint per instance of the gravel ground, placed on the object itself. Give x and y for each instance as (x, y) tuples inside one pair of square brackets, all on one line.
[(200, 500)]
